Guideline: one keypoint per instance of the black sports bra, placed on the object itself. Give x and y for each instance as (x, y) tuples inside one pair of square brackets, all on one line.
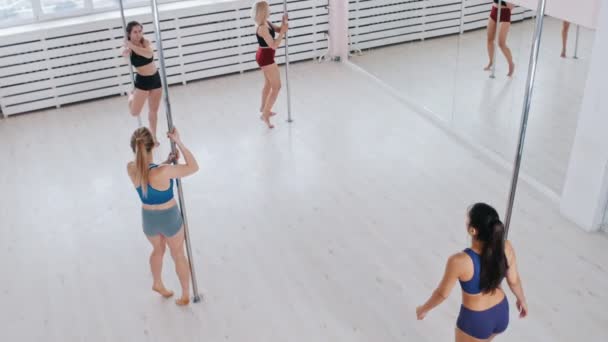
[(261, 40), (138, 61)]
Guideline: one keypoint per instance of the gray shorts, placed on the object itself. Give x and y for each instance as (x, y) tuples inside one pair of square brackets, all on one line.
[(166, 222)]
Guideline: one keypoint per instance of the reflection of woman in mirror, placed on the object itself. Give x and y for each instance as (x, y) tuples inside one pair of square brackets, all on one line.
[(505, 25), (565, 27)]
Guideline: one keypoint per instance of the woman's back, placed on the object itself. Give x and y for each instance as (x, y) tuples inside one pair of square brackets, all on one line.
[(470, 282)]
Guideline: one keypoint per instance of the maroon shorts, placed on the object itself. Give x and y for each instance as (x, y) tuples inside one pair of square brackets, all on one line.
[(264, 56), (505, 14)]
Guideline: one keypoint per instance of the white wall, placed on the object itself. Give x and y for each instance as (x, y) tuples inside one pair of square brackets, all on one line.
[(585, 192), (581, 12)]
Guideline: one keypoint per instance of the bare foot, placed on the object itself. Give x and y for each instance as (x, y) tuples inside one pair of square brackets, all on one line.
[(266, 119), (563, 55), (511, 69), (162, 290), (183, 301), (488, 67), (271, 113), (156, 143)]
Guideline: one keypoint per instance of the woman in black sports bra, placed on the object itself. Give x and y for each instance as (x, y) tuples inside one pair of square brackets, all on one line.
[(505, 25), (265, 34), (147, 82)]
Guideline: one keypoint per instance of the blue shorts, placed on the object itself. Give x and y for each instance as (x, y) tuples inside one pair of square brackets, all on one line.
[(166, 222), (483, 324)]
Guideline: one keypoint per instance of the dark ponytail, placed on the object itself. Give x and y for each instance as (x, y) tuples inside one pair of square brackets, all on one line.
[(490, 231)]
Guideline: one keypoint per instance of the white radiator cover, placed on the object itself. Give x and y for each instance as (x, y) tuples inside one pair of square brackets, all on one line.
[(76, 62), (81, 60)]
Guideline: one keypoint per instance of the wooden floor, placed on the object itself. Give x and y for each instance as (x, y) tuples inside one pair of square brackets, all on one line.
[(332, 228), (445, 75)]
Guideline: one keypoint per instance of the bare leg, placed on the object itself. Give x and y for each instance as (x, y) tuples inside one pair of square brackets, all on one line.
[(153, 105), (502, 43), (176, 245), (156, 264), (273, 75), (265, 93), (565, 28), (136, 101), (490, 42)]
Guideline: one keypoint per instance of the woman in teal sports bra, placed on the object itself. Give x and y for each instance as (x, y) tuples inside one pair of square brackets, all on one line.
[(161, 217)]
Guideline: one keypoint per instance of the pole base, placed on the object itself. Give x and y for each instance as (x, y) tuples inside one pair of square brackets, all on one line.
[(290, 120), (196, 298)]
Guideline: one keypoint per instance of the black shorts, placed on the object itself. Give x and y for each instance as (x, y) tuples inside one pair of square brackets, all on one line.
[(148, 82)]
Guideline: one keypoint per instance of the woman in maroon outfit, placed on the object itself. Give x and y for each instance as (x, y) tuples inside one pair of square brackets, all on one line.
[(265, 33)]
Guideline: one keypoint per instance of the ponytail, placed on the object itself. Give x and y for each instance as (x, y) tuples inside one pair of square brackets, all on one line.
[(142, 143), (493, 259), (142, 167), (490, 231)]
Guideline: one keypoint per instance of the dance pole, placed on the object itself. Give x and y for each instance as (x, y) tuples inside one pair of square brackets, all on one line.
[(287, 67), (124, 31), (499, 5), (182, 205), (526, 110), (578, 31)]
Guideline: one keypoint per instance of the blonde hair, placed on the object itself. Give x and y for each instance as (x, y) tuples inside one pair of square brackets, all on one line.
[(142, 143), (257, 9)]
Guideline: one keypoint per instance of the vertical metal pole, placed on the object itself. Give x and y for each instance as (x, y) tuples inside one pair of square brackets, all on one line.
[(526, 110), (493, 74), (287, 67), (578, 30), (124, 31), (462, 8), (182, 204)]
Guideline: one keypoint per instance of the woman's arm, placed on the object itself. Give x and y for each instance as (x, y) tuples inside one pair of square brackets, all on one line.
[(283, 22), (275, 27), (452, 272), (273, 43), (180, 170), (172, 158), (514, 280), (189, 167), (146, 51)]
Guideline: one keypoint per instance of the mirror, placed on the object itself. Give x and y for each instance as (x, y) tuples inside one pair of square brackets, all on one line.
[(431, 54)]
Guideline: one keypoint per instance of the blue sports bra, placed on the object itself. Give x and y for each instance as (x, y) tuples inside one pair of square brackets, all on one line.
[(155, 196), (472, 286)]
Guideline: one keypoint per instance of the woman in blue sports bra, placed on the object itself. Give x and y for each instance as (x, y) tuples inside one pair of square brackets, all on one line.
[(162, 219), (480, 269)]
